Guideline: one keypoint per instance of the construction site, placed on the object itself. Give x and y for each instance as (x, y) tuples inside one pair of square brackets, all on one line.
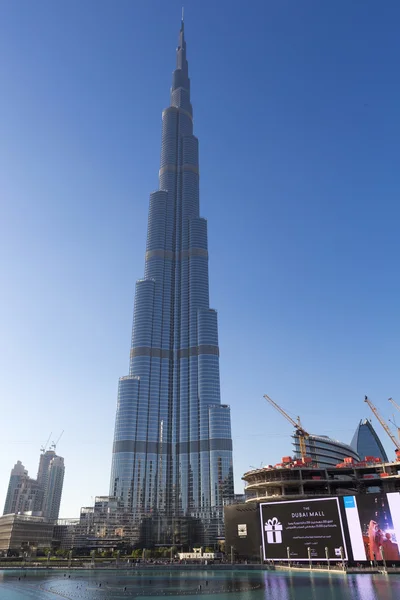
[(323, 466), (324, 500)]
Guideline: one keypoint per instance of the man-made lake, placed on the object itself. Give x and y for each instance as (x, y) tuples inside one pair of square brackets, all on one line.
[(218, 585)]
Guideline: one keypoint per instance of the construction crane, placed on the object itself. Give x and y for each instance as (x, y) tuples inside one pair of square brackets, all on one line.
[(384, 425), (43, 448), (394, 404), (301, 433), (54, 444), (393, 422)]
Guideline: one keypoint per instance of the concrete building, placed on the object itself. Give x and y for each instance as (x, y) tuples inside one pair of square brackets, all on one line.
[(295, 511), (64, 534), (172, 451), (23, 492), (24, 533), (41, 496), (293, 480)]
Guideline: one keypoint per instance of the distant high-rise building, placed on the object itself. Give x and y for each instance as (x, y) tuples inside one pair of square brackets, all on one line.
[(53, 488), (367, 443), (41, 496), (44, 467), (172, 452), (17, 476), (22, 491)]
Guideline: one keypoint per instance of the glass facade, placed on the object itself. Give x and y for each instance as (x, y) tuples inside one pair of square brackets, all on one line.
[(53, 488), (367, 443), (325, 451), (172, 453)]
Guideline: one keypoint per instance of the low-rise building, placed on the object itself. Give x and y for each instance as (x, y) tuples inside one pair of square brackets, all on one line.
[(24, 533)]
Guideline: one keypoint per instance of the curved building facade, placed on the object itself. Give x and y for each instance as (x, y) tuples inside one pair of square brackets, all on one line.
[(367, 443), (172, 453), (324, 451)]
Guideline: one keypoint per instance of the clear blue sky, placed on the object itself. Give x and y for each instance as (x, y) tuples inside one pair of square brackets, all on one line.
[(297, 110)]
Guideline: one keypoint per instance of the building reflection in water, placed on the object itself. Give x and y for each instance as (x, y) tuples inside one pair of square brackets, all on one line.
[(379, 587), (319, 586), (278, 587)]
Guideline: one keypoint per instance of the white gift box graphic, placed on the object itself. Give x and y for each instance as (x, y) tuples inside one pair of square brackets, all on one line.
[(274, 531)]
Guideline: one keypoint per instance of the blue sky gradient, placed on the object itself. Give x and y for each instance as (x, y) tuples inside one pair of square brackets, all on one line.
[(296, 108)]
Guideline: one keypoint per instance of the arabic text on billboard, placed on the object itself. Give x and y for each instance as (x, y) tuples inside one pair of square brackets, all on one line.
[(302, 530)]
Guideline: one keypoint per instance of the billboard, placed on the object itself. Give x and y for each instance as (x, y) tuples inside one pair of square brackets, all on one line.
[(300, 530), (242, 530), (373, 522)]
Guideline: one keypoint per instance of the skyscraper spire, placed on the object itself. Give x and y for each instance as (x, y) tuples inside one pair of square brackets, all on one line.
[(172, 453)]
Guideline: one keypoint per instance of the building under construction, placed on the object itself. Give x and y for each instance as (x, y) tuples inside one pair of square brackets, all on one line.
[(296, 479), (320, 450), (277, 497), (325, 502)]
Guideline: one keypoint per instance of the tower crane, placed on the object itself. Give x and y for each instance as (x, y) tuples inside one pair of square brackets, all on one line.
[(301, 433), (394, 404), (397, 427), (43, 448), (384, 425), (54, 444)]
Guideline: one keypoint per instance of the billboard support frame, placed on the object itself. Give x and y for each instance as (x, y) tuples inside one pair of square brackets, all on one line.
[(327, 557)]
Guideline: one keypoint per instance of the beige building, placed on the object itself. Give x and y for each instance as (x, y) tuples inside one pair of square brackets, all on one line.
[(24, 533)]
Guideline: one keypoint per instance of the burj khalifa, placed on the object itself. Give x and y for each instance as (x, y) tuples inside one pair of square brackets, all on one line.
[(172, 451)]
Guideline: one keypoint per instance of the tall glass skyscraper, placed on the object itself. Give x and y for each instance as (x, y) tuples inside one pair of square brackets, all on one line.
[(367, 443), (172, 452)]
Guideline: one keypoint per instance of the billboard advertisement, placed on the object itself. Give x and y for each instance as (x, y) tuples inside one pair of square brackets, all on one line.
[(301, 530), (373, 522), (242, 530)]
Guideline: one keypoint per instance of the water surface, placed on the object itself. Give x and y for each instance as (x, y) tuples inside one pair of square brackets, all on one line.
[(215, 585)]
